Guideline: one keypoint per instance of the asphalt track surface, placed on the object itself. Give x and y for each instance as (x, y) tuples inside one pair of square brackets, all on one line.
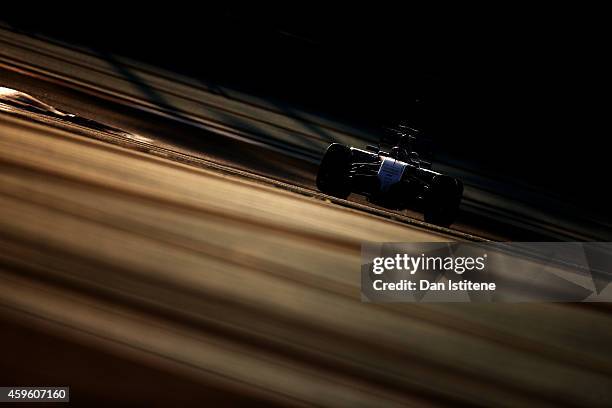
[(190, 272)]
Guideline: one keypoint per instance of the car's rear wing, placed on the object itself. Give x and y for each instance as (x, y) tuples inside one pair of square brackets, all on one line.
[(410, 138)]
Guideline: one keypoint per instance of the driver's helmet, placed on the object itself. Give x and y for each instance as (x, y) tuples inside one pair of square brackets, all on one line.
[(399, 153)]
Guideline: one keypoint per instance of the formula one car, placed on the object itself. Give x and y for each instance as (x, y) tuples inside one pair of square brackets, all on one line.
[(397, 179)]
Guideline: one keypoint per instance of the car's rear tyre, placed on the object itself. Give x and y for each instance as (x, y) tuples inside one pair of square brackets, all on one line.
[(333, 175), (442, 200)]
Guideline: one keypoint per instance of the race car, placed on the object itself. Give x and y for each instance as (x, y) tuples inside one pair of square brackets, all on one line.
[(398, 179)]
